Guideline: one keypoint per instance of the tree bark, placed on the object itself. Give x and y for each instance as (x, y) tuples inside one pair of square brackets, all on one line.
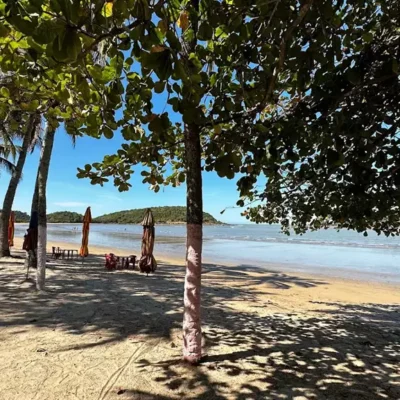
[(31, 255), (35, 198), (12, 186), (42, 207), (192, 337)]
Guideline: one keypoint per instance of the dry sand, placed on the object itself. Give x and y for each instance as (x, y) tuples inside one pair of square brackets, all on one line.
[(267, 335)]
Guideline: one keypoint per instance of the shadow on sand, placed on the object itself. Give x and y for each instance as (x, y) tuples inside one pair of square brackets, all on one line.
[(347, 352)]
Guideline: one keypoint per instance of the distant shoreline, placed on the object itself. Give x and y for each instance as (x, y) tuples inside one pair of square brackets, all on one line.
[(118, 223)]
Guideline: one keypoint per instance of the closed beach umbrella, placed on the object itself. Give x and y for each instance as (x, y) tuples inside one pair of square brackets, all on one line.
[(87, 219), (147, 262), (11, 229)]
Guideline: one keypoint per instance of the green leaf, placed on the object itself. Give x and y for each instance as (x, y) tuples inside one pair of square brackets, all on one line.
[(4, 31), (173, 40), (107, 132), (129, 61), (195, 61), (156, 125), (48, 30), (205, 31), (159, 87), (69, 49), (174, 101), (5, 92), (368, 37), (21, 24), (181, 177), (141, 10)]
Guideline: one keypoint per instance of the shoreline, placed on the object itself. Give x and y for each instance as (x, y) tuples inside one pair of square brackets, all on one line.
[(309, 268), (364, 283)]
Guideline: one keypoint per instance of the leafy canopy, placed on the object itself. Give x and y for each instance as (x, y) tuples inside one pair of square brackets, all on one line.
[(333, 154), (284, 89)]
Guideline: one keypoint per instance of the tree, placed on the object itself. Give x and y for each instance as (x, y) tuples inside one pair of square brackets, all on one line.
[(20, 125), (51, 87), (5, 152), (227, 73), (31, 129), (342, 167), (43, 173)]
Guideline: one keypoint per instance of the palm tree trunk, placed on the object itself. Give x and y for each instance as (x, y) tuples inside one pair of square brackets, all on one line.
[(42, 183), (12, 186), (192, 351)]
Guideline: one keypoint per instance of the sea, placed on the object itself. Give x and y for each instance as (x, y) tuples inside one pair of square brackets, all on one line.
[(327, 252)]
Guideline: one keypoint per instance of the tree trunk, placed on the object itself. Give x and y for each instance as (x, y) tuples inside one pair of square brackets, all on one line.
[(42, 183), (12, 186), (192, 351), (31, 255), (35, 198)]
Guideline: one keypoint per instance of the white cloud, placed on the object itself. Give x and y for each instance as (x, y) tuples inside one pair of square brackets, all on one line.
[(70, 204)]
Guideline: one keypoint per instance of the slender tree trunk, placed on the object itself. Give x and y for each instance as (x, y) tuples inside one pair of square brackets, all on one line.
[(35, 198), (42, 183), (31, 255), (192, 293), (12, 186)]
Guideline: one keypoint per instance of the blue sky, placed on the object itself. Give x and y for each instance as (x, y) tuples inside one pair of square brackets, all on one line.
[(67, 192)]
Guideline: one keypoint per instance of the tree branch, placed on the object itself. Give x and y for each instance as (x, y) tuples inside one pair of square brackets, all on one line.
[(282, 56)]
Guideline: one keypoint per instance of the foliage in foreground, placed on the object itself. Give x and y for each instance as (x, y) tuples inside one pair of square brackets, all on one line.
[(304, 94), (332, 157)]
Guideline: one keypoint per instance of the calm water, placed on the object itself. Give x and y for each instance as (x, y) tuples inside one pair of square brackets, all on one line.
[(327, 252)]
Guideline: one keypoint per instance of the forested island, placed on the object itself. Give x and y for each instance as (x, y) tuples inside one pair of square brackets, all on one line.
[(61, 217), (162, 215)]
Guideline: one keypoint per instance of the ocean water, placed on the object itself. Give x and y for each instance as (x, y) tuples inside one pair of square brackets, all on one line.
[(328, 252)]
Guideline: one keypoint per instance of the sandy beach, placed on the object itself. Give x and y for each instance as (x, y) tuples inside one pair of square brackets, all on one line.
[(267, 334)]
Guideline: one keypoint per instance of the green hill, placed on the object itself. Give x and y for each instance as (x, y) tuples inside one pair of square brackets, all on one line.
[(162, 215), (67, 217), (21, 216)]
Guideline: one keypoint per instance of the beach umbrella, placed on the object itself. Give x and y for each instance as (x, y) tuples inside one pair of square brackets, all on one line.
[(147, 262), (31, 242), (87, 219), (11, 229)]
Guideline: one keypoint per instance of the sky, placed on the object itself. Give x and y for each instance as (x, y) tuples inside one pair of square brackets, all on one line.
[(66, 192)]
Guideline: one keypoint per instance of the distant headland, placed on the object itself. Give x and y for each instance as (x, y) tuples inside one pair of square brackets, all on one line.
[(162, 215)]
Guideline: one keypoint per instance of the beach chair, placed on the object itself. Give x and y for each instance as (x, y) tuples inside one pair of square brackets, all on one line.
[(56, 252), (115, 262), (111, 262)]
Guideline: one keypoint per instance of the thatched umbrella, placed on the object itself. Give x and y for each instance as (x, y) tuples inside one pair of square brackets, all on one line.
[(147, 262), (11, 229), (87, 219)]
